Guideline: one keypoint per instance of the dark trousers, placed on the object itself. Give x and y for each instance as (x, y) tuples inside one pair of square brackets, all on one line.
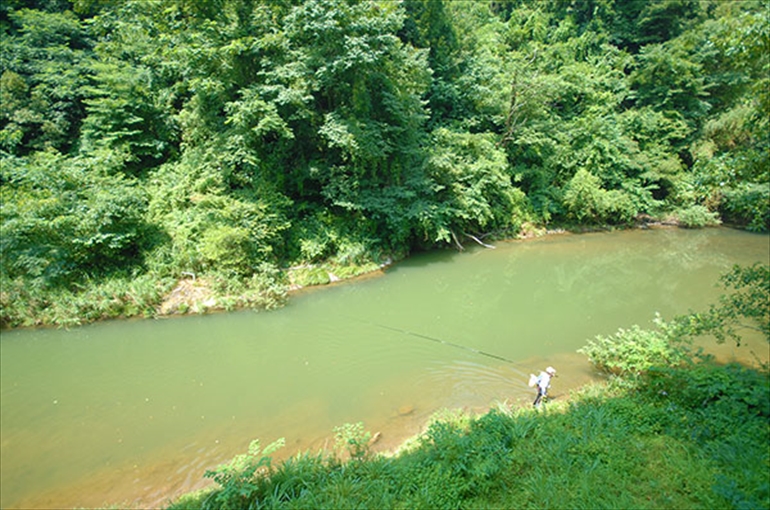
[(540, 394)]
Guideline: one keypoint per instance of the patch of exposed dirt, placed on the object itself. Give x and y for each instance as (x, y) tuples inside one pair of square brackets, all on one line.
[(190, 295)]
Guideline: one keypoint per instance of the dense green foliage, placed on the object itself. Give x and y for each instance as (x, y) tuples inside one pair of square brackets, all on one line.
[(632, 352), (141, 140)]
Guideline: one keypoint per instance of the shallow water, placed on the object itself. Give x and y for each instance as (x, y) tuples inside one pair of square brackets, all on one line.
[(133, 412)]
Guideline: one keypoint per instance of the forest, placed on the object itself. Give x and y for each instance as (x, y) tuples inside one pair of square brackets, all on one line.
[(246, 147)]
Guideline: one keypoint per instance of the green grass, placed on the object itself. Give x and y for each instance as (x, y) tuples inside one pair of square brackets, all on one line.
[(28, 302), (693, 437), (23, 304)]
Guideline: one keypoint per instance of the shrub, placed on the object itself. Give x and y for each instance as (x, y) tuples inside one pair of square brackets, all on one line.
[(468, 188), (584, 197), (697, 216), (66, 218), (748, 204), (352, 438), (309, 276), (631, 352), (586, 201), (239, 478)]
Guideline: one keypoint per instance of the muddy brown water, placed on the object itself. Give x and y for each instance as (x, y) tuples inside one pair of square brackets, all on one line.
[(132, 413)]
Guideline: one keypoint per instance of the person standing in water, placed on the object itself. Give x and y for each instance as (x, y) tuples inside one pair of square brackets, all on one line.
[(543, 382)]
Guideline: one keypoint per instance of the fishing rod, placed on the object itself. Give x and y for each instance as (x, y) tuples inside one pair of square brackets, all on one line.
[(439, 340)]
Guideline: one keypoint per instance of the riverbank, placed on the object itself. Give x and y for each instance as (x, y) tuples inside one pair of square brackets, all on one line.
[(192, 296), (150, 296), (651, 443)]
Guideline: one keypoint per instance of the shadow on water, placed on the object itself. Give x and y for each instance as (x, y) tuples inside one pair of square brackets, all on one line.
[(133, 412)]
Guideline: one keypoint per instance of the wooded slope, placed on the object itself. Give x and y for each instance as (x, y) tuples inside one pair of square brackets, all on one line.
[(144, 139)]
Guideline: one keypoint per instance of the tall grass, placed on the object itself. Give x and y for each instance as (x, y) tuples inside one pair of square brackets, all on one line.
[(692, 437), (23, 304)]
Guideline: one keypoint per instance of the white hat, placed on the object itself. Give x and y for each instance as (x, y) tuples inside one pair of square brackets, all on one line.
[(550, 370)]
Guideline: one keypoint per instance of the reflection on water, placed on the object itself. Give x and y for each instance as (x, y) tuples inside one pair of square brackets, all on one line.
[(132, 412)]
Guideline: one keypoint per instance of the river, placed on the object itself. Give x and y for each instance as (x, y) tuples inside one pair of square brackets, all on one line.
[(132, 412)]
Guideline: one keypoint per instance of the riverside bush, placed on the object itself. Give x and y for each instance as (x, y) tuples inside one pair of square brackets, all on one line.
[(697, 216), (587, 201), (119, 296), (238, 478), (748, 204), (353, 438), (631, 352)]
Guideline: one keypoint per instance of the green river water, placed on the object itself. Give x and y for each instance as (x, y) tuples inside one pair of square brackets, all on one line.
[(131, 413)]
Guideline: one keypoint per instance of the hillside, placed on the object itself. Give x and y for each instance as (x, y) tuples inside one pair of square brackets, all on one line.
[(147, 145)]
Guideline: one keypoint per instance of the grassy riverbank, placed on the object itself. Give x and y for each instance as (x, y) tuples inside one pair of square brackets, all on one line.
[(692, 437), (156, 294), (124, 296)]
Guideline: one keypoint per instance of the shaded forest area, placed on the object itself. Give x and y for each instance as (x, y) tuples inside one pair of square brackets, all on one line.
[(147, 141)]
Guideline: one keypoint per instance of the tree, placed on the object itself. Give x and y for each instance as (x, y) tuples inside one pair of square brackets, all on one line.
[(65, 220), (745, 305), (44, 56), (472, 190), (669, 80), (122, 116), (636, 23), (428, 25)]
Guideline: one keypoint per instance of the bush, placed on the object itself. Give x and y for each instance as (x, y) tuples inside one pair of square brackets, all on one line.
[(240, 478), (584, 197), (469, 189), (210, 226), (748, 204), (67, 219), (353, 439), (22, 304), (697, 216), (586, 201), (226, 247), (631, 352)]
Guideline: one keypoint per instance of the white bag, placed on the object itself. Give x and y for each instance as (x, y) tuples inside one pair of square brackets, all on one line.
[(532, 380)]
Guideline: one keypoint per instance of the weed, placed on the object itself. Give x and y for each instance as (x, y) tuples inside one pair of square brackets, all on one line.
[(352, 438), (241, 477)]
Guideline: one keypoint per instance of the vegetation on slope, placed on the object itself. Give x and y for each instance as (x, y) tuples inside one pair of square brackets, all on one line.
[(692, 438), (145, 142)]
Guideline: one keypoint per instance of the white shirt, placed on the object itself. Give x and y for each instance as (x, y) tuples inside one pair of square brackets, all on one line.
[(544, 381)]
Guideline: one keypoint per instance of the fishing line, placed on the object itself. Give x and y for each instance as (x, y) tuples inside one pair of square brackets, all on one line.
[(439, 340)]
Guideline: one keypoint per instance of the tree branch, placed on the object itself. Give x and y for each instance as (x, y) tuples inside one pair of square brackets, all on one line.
[(485, 245), (457, 243)]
